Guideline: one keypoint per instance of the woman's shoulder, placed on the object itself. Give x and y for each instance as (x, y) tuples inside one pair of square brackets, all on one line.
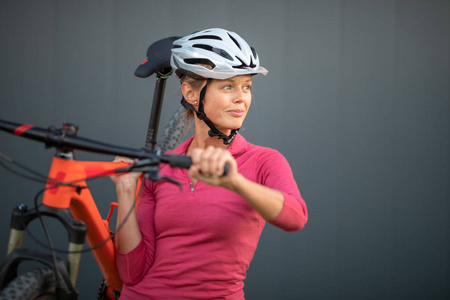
[(181, 148), (264, 153)]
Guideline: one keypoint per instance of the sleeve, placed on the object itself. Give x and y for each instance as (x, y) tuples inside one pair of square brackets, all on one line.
[(274, 172), (135, 264)]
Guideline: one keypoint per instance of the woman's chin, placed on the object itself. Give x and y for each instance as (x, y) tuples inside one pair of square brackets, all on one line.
[(229, 128)]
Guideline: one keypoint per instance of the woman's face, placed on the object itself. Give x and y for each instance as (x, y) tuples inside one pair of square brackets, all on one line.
[(227, 101)]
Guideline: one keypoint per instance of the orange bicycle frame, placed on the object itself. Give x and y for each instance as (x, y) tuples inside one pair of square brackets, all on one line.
[(83, 207)]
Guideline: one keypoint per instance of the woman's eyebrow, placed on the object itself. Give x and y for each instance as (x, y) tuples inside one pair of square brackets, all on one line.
[(234, 80)]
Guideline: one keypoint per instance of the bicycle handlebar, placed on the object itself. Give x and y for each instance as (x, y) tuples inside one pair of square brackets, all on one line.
[(62, 139)]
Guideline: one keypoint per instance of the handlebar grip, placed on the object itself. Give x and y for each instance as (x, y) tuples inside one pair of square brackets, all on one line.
[(226, 169), (180, 161)]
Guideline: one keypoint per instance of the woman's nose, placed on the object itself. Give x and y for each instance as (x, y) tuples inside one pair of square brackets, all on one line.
[(241, 95)]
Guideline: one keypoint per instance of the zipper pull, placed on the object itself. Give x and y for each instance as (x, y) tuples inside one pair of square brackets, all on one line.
[(192, 186)]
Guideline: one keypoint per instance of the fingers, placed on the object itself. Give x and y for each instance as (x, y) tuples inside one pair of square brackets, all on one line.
[(123, 159), (126, 178), (210, 162)]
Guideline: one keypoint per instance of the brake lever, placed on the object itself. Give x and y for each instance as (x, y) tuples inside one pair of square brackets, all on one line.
[(171, 180), (140, 166), (153, 175), (151, 170)]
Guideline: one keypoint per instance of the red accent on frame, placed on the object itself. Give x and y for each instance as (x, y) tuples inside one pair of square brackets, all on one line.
[(22, 128), (144, 62), (59, 177)]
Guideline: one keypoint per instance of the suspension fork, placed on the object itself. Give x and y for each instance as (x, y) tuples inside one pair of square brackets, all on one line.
[(76, 230)]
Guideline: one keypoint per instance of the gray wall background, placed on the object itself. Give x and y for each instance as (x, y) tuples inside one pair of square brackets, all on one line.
[(357, 99)]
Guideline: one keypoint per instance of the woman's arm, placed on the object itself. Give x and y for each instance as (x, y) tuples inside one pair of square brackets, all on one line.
[(266, 201), (129, 236), (208, 165), (135, 242)]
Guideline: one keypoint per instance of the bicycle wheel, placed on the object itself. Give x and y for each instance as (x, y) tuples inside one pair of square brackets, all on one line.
[(35, 284)]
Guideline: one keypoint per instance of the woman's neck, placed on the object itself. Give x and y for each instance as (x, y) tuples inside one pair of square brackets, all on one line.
[(202, 139)]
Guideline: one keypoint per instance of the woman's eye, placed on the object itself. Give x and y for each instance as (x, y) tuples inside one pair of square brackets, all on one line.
[(248, 87), (227, 87)]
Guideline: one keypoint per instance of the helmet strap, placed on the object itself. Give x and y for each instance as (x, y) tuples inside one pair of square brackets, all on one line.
[(227, 139)]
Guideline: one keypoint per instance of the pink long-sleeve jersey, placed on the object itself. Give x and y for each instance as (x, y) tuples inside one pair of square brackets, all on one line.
[(197, 243)]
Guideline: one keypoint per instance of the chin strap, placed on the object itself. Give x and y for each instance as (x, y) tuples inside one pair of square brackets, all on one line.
[(227, 139)]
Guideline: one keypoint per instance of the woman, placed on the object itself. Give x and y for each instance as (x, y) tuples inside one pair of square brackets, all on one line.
[(197, 243)]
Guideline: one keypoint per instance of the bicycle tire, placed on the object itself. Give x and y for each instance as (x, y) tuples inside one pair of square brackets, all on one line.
[(35, 284)]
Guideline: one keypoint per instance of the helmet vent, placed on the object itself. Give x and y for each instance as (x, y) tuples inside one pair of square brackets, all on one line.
[(234, 40), (243, 65), (200, 61), (255, 55), (202, 46), (206, 37), (221, 52)]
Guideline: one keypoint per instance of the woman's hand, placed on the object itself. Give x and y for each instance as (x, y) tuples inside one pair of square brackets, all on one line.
[(208, 166), (126, 181)]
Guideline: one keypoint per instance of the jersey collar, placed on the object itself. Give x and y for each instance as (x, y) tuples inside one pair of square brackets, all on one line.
[(238, 146)]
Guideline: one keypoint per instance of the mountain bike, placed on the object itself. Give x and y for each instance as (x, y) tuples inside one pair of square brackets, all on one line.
[(66, 198)]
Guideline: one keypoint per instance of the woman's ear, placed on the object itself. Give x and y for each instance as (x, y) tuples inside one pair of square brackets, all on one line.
[(189, 94)]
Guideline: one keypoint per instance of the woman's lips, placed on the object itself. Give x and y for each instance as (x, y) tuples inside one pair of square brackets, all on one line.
[(236, 112)]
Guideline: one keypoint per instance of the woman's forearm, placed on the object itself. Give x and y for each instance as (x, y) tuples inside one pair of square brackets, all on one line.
[(128, 235), (266, 201)]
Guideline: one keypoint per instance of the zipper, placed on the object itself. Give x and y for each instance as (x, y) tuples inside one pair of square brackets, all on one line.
[(191, 185)]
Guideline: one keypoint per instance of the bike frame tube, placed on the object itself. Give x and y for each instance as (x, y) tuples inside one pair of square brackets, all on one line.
[(83, 207)]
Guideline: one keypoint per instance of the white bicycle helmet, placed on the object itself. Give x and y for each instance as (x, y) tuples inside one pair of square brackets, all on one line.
[(225, 51)]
